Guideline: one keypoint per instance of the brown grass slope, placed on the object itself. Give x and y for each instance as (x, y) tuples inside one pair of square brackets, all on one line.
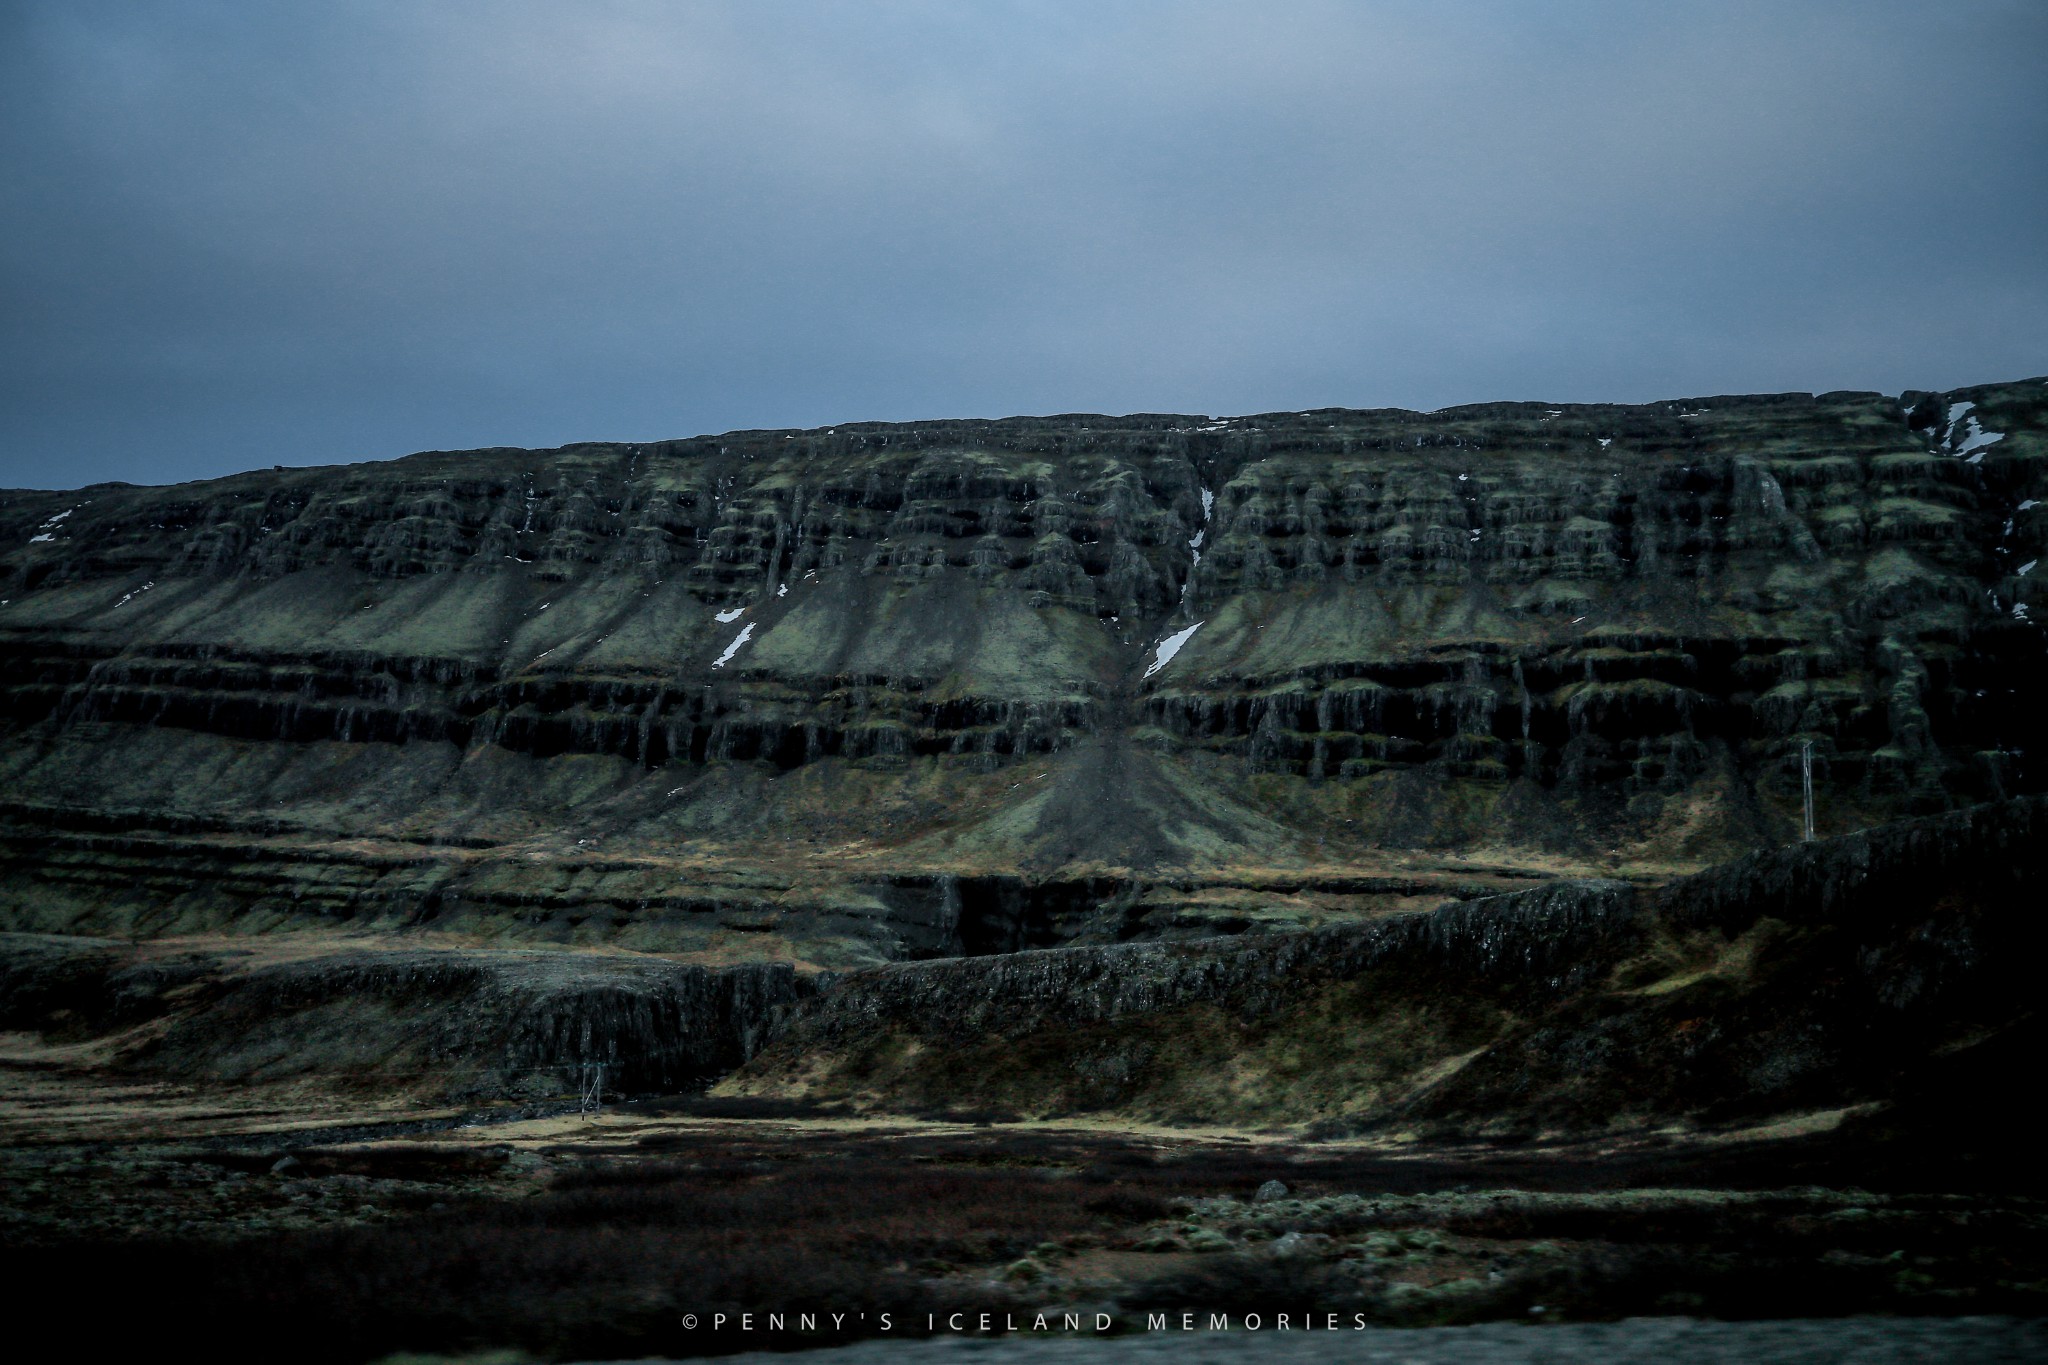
[(1807, 978)]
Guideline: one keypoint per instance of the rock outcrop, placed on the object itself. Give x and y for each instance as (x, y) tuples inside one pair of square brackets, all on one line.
[(436, 1024), (1798, 980)]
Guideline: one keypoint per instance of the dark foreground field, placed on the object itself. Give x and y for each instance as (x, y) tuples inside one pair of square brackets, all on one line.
[(629, 1235), (1797, 1088)]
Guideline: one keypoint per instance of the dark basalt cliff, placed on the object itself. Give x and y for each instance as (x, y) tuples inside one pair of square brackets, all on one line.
[(889, 691)]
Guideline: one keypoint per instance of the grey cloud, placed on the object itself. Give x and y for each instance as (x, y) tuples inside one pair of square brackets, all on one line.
[(242, 234)]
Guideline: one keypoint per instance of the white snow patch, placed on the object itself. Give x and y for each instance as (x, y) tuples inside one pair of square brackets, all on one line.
[(60, 516), (1976, 438), (1606, 441), (1956, 411), (152, 583), (1463, 477), (1208, 503), (2019, 611), (782, 591), (2025, 568), (745, 635), (33, 539), (1171, 646), (730, 615)]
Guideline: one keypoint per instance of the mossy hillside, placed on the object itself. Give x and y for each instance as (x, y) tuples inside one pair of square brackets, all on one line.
[(1337, 1051), (1812, 979), (419, 1024), (1344, 1016), (1833, 974), (1588, 651), (477, 846)]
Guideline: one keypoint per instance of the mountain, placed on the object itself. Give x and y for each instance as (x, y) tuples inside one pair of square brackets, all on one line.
[(884, 691), (1348, 860)]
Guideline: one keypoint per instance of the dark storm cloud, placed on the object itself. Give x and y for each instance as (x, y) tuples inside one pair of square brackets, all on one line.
[(242, 234)]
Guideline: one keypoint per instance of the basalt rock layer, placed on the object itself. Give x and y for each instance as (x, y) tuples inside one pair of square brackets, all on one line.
[(930, 689)]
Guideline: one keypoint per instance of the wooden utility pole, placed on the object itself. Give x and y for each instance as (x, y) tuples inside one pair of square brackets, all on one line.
[(1806, 785)]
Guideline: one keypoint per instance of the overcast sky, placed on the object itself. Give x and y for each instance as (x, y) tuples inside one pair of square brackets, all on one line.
[(243, 234)]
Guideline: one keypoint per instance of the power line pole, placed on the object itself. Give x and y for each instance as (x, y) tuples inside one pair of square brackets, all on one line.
[(1806, 784)]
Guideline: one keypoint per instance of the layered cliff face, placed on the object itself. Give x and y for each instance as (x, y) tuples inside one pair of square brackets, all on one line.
[(893, 691)]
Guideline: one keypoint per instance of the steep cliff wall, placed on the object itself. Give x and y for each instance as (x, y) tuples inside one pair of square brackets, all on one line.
[(705, 691)]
